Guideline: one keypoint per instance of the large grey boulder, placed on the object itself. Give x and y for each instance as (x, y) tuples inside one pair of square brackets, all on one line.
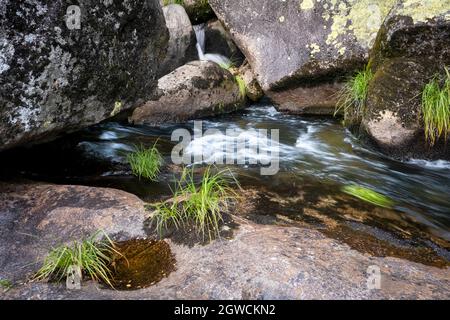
[(181, 47), (412, 46), (57, 78), (197, 89), (303, 44)]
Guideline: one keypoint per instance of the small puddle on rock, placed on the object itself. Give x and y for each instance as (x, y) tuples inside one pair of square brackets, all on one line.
[(144, 263)]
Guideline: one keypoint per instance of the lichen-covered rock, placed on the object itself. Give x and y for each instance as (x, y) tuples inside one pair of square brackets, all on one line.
[(181, 47), (412, 46), (292, 44), (59, 73), (197, 89), (218, 40)]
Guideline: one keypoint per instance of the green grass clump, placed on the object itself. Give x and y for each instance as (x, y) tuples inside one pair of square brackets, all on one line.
[(353, 95), (242, 87), (145, 162), (436, 108), (368, 196), (90, 255), (198, 204)]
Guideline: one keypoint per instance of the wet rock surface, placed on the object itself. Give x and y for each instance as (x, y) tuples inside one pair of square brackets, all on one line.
[(259, 262), (56, 79), (197, 89), (181, 47), (411, 48)]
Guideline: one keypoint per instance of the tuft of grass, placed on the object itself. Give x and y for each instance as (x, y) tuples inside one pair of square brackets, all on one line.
[(369, 195), (92, 256), (436, 108), (145, 162), (198, 204), (242, 86), (353, 95)]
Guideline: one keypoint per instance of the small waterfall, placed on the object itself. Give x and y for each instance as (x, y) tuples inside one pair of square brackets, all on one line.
[(221, 60), (200, 35)]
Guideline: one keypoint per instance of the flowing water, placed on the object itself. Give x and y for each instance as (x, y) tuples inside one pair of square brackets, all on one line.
[(317, 158), (214, 57)]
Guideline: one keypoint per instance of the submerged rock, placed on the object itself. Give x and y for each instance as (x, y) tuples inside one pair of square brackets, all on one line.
[(197, 89), (181, 47), (36, 217), (412, 46), (294, 46), (61, 69)]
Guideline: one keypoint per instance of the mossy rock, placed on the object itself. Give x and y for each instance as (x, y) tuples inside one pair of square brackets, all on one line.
[(411, 47)]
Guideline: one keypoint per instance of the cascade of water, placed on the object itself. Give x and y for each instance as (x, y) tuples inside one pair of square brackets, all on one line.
[(200, 35), (214, 57)]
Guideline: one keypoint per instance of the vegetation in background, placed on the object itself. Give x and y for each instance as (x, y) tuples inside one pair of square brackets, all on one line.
[(352, 97), (368, 196), (5, 284), (145, 162), (198, 204), (92, 256), (436, 108), (242, 87), (167, 2)]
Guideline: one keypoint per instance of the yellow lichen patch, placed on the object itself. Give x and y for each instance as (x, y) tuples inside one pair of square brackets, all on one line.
[(307, 4), (422, 10), (117, 108), (314, 48), (362, 17), (342, 50)]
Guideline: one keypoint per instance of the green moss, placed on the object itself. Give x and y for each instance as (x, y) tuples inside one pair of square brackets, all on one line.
[(369, 196), (436, 108), (5, 284)]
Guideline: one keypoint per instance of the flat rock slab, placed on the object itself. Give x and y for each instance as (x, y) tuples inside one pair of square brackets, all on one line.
[(260, 262), (36, 217)]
